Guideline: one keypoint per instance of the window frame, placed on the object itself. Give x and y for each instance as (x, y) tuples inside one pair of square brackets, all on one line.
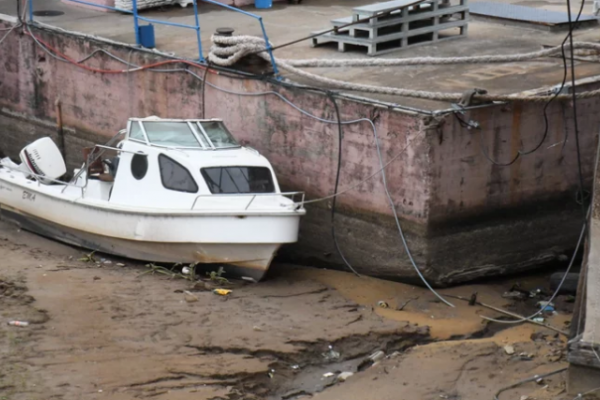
[(160, 171), (205, 175)]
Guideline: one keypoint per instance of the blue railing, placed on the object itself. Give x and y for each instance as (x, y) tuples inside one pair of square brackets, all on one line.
[(137, 18)]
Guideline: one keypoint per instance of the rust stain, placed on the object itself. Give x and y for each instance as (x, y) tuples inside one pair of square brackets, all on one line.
[(515, 146)]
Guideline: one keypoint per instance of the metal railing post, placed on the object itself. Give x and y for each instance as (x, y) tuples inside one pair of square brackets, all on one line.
[(269, 48), (136, 23), (201, 56)]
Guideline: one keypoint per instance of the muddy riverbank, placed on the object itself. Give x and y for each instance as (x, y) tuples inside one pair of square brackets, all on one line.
[(108, 331)]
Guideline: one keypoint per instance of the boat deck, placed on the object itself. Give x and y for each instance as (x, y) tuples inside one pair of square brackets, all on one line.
[(484, 37)]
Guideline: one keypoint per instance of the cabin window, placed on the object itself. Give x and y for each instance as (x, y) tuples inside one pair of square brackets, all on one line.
[(139, 166), (135, 132), (175, 176), (238, 179)]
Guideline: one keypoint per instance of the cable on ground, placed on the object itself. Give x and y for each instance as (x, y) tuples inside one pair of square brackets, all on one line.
[(524, 381)]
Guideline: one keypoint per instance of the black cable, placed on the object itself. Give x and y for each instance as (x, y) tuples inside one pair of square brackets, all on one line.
[(337, 182), (533, 378), (19, 12), (521, 153), (574, 94), (204, 90), (562, 85)]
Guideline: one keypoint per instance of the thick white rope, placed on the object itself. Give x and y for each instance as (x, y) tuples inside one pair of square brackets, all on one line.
[(226, 51)]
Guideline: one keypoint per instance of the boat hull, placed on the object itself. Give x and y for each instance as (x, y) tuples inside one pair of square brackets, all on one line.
[(249, 261)]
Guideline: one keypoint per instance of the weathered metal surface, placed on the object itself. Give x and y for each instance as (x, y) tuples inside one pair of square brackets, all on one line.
[(464, 217), (523, 13)]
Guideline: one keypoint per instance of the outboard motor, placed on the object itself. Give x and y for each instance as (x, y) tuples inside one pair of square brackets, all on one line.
[(43, 159)]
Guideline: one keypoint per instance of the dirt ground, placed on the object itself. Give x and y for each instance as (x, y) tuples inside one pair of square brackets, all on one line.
[(101, 330)]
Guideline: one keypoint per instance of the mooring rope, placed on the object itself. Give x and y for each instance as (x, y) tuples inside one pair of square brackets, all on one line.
[(228, 50)]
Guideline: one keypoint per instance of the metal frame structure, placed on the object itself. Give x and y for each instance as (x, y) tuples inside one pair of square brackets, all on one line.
[(137, 18)]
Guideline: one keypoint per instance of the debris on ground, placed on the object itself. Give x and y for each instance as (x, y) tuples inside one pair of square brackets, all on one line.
[(508, 349), (344, 375), (251, 346), (546, 306), (88, 257), (382, 304), (18, 323), (331, 354), (514, 295), (222, 292), (473, 299), (190, 297), (371, 360)]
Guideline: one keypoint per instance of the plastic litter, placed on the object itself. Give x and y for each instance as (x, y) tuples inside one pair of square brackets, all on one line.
[(331, 354), (18, 323), (514, 295), (190, 297), (382, 304), (328, 374), (546, 306), (508, 349), (378, 355), (222, 292), (185, 270), (538, 319), (344, 375)]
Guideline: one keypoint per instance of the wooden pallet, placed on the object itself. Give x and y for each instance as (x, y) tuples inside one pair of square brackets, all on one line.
[(415, 23)]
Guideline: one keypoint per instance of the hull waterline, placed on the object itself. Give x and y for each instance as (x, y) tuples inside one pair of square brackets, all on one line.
[(249, 261)]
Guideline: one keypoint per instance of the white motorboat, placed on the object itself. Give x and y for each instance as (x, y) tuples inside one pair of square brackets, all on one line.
[(162, 190)]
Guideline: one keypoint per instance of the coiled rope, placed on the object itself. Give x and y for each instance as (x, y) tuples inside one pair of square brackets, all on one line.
[(228, 50)]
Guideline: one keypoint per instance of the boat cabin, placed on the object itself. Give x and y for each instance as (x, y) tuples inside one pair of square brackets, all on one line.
[(167, 163)]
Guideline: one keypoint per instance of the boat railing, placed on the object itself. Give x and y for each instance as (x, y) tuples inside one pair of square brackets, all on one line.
[(94, 155), (253, 196), (39, 178)]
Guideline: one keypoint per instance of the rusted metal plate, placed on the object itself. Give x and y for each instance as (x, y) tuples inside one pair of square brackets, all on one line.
[(511, 12)]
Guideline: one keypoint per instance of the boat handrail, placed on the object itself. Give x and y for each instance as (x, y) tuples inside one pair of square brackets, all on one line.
[(28, 173), (96, 156), (292, 195)]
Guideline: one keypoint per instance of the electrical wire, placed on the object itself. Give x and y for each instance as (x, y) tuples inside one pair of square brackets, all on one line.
[(571, 262), (579, 241), (20, 16), (557, 92), (580, 395), (524, 381), (337, 182), (204, 81)]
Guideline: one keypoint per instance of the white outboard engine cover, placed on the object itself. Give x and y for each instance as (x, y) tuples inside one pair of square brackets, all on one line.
[(43, 158)]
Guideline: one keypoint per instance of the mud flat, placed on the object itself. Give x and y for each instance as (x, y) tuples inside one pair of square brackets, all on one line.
[(107, 331)]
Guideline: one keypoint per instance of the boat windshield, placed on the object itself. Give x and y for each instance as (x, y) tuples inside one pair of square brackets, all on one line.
[(218, 134), (184, 134), (170, 134)]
